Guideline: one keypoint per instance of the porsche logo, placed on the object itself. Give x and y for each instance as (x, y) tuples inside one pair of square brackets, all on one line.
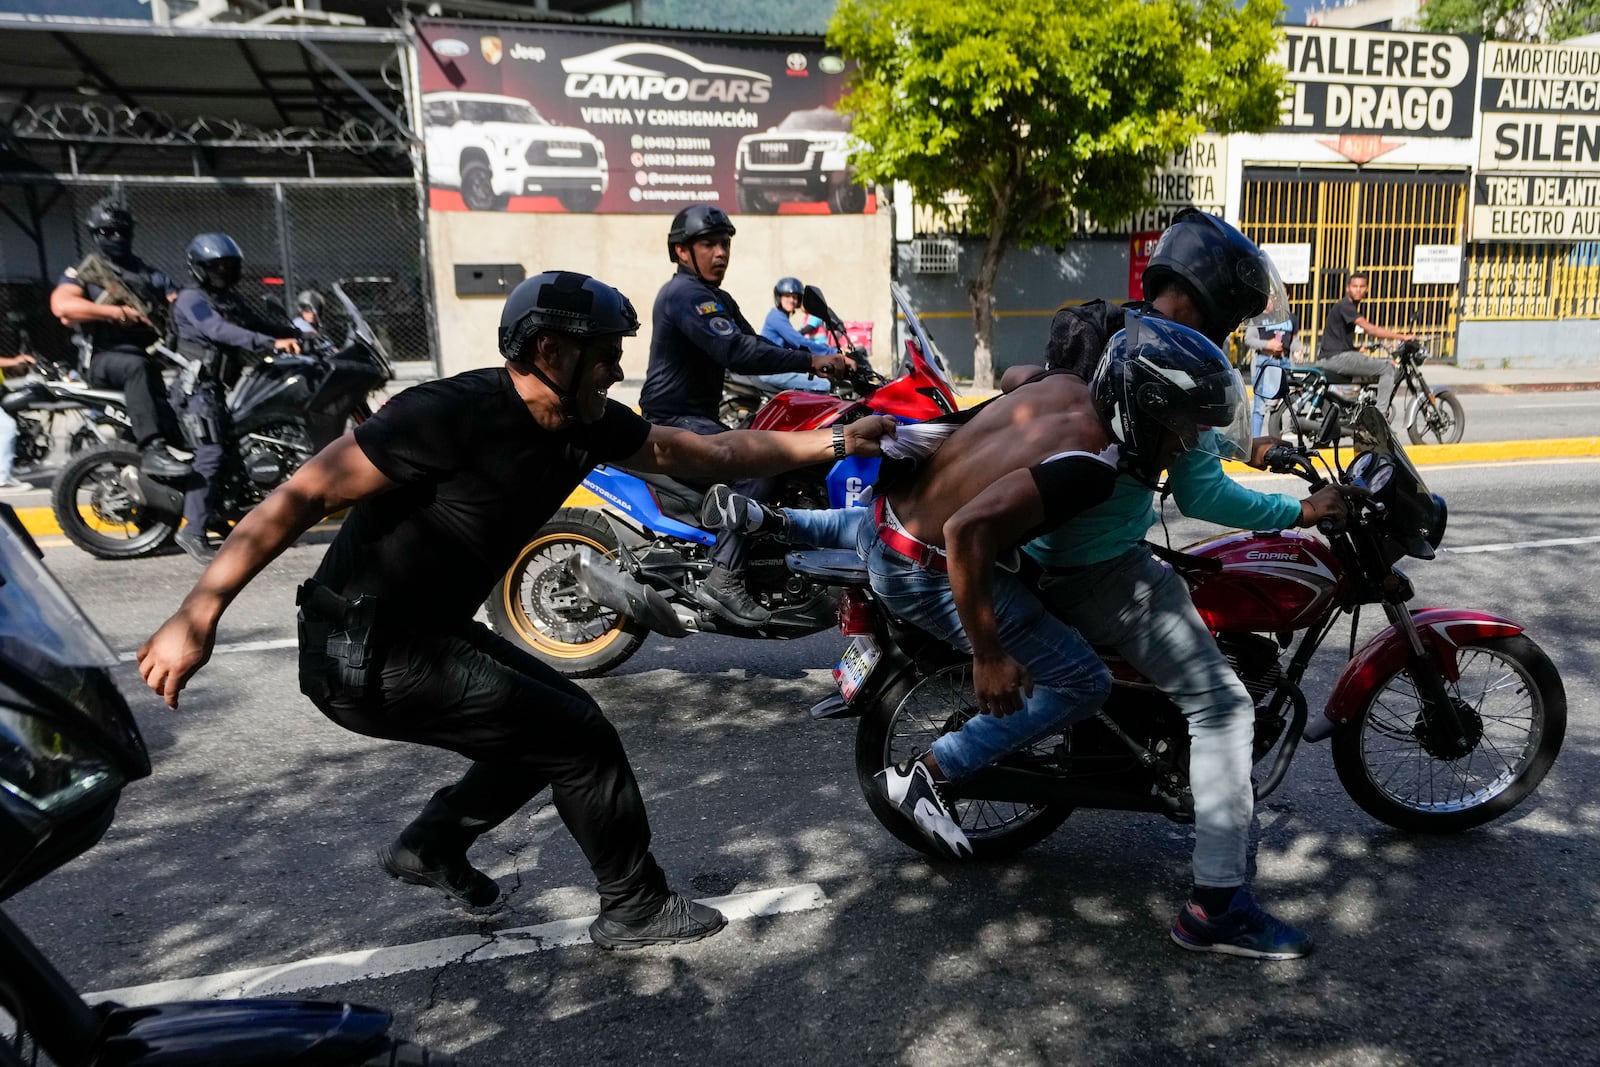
[(492, 50)]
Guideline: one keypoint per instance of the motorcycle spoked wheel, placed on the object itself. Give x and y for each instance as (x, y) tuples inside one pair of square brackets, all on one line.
[(1443, 422), (911, 713), (538, 604), (1516, 710), (97, 513)]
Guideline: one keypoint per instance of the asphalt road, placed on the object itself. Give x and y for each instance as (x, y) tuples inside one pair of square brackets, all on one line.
[(251, 846)]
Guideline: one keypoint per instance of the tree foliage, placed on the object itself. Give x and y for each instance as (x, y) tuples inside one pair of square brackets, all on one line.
[(1030, 110), (1513, 20)]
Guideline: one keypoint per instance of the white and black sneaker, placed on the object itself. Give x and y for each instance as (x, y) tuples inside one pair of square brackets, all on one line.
[(910, 787), (725, 509)]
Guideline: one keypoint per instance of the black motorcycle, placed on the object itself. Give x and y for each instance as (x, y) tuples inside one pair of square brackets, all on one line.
[(284, 410), (1431, 417), (49, 404), (68, 746)]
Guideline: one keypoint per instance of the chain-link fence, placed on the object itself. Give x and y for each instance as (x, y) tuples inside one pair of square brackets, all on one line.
[(363, 235)]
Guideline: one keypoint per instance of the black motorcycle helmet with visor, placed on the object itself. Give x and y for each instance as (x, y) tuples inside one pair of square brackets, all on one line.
[(1157, 376), (786, 287), (110, 226), (68, 743), (215, 261), (570, 304), (1230, 278)]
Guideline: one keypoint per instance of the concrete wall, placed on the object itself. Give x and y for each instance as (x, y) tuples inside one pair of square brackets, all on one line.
[(1548, 343), (1033, 284), (847, 256)]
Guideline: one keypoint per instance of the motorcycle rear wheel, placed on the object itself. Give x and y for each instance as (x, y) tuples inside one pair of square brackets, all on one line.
[(98, 514), (905, 720), (1515, 701), (537, 604), (1442, 422)]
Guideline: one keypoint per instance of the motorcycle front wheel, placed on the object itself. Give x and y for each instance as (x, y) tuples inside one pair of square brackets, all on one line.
[(1515, 708), (1440, 421), (538, 603), (100, 515), (903, 722)]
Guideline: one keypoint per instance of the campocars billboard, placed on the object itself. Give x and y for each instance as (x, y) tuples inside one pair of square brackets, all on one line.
[(538, 118)]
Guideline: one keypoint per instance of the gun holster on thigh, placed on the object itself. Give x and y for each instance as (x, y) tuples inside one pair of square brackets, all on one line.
[(339, 642)]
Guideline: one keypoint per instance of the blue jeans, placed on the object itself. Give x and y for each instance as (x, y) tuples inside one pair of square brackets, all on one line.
[(1070, 682), (8, 446), (1140, 607), (798, 380)]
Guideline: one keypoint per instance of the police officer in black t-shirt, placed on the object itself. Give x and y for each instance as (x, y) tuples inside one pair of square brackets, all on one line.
[(445, 485), (218, 330), (697, 334), (1336, 349), (118, 335)]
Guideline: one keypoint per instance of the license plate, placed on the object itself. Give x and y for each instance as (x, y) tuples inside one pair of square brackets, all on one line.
[(855, 666)]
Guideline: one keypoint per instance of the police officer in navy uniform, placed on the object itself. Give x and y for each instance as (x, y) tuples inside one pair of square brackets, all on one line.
[(445, 484), (119, 336), (697, 334), (222, 333)]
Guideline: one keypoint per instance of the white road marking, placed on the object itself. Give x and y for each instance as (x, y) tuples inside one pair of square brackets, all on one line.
[(1511, 546), (240, 646), (366, 964), (1547, 407)]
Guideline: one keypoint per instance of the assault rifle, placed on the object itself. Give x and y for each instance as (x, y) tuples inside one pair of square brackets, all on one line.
[(96, 270)]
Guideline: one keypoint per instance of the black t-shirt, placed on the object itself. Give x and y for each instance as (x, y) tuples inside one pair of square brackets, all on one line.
[(477, 477), (1339, 333)]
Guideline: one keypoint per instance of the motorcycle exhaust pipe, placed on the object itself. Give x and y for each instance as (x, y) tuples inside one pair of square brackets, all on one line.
[(145, 491), (606, 585)]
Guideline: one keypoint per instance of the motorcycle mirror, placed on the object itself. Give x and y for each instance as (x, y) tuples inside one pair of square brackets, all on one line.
[(1269, 382), (275, 308), (812, 300)]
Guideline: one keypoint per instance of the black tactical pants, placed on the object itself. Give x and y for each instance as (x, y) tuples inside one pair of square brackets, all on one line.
[(206, 429), (524, 726), (139, 378)]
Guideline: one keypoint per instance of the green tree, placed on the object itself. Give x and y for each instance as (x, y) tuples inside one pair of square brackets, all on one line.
[(1513, 20), (1029, 109)]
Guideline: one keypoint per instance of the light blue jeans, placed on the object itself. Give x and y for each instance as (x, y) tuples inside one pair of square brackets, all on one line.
[(8, 446), (798, 380), (1069, 681), (1140, 607)]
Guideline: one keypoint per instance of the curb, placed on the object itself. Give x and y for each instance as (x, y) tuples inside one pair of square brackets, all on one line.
[(41, 522)]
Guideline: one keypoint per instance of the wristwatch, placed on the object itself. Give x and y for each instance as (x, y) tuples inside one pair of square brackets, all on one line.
[(838, 442)]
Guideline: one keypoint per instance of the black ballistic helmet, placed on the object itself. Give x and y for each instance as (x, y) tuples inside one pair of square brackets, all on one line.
[(564, 302), (1227, 274), (110, 225), (1158, 375), (786, 287), (695, 221), (214, 260)]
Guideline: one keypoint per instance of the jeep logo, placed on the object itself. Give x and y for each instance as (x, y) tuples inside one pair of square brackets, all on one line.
[(523, 51)]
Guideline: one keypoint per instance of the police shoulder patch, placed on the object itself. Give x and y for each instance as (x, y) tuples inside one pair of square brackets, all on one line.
[(710, 307), (722, 327)]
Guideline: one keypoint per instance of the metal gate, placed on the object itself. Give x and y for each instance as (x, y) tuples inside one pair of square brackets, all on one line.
[(1368, 221), (365, 234)]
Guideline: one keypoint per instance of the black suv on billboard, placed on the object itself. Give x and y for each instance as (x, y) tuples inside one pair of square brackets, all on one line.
[(805, 157)]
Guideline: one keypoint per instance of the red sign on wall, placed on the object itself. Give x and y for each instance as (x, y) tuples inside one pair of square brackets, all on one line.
[(535, 118), (1143, 244)]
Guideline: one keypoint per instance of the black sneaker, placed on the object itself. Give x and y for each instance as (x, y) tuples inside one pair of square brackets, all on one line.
[(195, 542), (679, 922), (724, 592), (910, 787), (725, 509), (460, 881), (1245, 929)]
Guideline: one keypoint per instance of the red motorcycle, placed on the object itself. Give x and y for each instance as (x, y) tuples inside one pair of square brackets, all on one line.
[(594, 582), (1444, 721)]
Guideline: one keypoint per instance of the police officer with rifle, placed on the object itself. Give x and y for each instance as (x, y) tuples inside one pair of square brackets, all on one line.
[(118, 303)]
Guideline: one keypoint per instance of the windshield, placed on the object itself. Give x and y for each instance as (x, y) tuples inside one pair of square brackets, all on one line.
[(817, 118), (359, 330), (501, 111), (908, 326), (39, 616)]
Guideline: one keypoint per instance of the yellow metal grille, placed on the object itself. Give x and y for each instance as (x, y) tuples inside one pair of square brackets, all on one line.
[(1532, 281), (1367, 221)]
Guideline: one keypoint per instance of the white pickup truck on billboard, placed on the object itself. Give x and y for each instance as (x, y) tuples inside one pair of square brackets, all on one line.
[(493, 147), (806, 157)]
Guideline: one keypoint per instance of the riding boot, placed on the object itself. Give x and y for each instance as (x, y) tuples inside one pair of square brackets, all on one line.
[(724, 592)]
